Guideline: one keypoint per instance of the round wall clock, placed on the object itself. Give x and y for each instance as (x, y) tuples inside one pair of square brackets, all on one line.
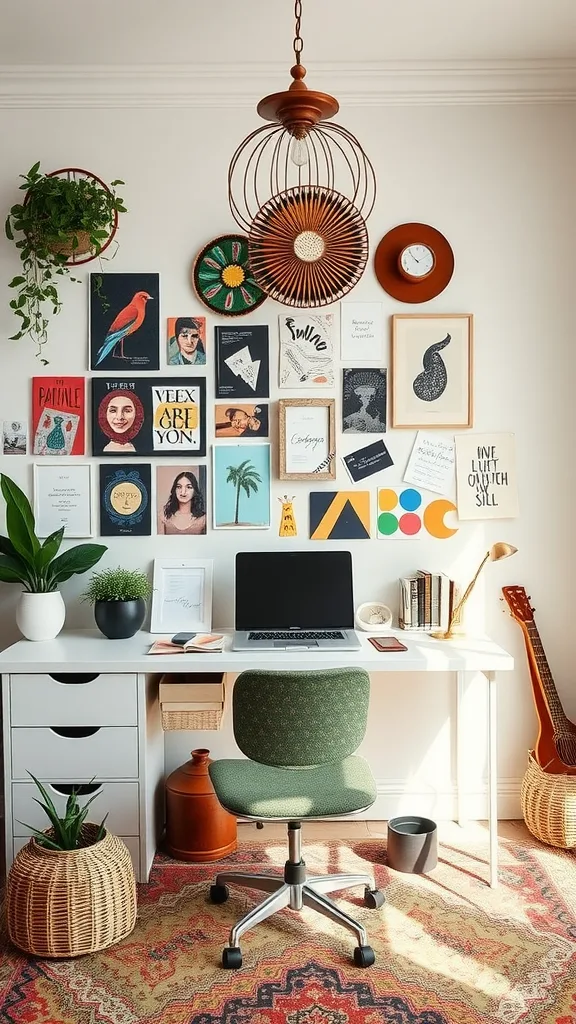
[(223, 279), (414, 262)]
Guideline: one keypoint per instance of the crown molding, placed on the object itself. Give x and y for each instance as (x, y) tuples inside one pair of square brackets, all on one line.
[(386, 83)]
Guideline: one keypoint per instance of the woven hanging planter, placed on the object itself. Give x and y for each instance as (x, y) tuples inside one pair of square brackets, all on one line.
[(62, 903), (308, 246), (549, 805)]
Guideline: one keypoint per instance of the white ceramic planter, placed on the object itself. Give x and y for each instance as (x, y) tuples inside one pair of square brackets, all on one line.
[(40, 616)]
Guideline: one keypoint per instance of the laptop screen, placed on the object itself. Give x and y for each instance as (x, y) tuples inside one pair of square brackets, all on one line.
[(294, 589)]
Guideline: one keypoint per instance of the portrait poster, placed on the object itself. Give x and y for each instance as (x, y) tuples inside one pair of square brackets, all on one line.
[(164, 416), (242, 362), (14, 437), (58, 412), (180, 500), (241, 420), (63, 497), (125, 500), (486, 481), (124, 322), (186, 341), (241, 486), (306, 350), (362, 332), (432, 370), (431, 462), (364, 401)]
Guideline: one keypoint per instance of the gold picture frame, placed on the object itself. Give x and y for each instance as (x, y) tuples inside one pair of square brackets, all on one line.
[(307, 428), (432, 385)]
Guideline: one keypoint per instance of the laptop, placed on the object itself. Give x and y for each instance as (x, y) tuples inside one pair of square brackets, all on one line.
[(294, 601)]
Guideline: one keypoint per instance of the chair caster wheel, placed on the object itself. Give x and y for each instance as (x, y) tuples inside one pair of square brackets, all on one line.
[(374, 899), (232, 957), (219, 893), (364, 956)]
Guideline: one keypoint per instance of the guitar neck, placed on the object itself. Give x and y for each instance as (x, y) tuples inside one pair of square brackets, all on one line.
[(545, 676)]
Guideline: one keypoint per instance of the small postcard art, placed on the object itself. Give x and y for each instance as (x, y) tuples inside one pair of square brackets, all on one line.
[(58, 405)]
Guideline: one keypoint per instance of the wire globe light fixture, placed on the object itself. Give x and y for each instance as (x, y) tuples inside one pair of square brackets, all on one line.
[(302, 187)]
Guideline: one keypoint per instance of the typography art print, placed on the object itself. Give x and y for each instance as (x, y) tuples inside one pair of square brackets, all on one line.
[(58, 409), (306, 350), (486, 476), (149, 416)]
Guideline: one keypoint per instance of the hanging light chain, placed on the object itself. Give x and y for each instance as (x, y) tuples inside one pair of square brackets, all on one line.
[(298, 41)]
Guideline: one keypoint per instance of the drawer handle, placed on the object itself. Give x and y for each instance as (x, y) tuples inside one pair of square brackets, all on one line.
[(74, 677), (73, 732), (81, 788)]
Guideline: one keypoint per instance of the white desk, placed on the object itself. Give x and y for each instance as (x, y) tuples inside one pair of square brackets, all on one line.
[(87, 651)]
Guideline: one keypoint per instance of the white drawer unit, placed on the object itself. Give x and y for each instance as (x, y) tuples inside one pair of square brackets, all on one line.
[(119, 800), (75, 752), (74, 699), (100, 731)]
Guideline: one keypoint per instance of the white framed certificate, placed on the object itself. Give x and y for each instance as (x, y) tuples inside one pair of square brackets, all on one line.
[(63, 497), (307, 439), (182, 595)]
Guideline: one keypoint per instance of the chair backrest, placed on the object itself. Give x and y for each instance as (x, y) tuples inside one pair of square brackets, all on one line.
[(296, 719)]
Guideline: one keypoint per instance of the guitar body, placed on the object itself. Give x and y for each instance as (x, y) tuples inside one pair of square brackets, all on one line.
[(555, 747)]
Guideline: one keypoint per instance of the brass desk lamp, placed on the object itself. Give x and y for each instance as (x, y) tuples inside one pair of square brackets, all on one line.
[(496, 552)]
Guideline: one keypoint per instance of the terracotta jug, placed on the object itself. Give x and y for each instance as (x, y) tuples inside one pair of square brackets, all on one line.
[(197, 826)]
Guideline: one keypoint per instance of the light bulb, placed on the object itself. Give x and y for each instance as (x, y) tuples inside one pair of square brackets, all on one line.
[(299, 152)]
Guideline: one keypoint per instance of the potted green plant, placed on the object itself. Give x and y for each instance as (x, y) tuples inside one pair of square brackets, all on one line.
[(37, 566), (71, 890), (61, 216), (119, 599)]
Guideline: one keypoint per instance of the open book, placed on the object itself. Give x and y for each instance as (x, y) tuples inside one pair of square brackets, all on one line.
[(199, 642)]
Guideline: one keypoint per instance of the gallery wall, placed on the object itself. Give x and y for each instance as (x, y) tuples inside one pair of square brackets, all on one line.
[(497, 180)]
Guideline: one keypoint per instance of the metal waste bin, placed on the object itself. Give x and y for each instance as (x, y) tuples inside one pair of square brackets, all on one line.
[(412, 844)]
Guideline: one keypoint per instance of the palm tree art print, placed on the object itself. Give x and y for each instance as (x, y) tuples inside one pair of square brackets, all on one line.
[(243, 477)]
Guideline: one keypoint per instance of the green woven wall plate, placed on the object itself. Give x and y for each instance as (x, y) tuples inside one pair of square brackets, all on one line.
[(222, 277)]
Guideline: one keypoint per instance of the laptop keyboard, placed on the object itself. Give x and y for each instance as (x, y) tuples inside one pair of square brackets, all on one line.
[(326, 634)]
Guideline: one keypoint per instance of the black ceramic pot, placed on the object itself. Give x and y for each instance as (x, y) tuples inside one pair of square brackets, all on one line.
[(119, 619)]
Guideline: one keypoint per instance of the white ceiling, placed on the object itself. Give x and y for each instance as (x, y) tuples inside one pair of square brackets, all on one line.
[(129, 32)]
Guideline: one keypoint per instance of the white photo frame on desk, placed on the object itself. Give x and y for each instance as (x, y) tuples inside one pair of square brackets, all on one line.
[(63, 497), (182, 595)]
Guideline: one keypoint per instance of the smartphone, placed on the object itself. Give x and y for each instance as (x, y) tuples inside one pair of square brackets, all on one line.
[(387, 643), (182, 638)]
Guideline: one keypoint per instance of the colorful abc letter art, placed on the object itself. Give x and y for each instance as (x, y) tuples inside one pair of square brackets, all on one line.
[(403, 514)]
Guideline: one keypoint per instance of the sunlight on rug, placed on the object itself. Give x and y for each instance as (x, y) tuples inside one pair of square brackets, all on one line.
[(449, 949)]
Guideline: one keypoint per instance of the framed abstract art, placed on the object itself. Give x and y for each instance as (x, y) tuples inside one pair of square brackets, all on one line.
[(432, 370)]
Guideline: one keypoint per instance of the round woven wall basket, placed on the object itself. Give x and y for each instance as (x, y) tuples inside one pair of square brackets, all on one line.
[(549, 805), (70, 902)]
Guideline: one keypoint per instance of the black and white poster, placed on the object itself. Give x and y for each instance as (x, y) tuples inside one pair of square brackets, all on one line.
[(364, 401), (124, 322), (486, 476), (125, 500), (242, 362), (149, 416), (367, 461)]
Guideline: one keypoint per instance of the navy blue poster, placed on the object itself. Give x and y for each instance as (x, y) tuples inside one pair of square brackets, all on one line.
[(125, 508)]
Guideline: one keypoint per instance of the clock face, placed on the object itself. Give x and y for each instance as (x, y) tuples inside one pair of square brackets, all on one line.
[(417, 260)]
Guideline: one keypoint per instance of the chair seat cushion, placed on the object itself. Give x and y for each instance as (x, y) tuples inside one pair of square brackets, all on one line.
[(265, 791)]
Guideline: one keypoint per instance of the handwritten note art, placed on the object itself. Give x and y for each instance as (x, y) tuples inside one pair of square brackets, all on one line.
[(306, 350), (431, 463), (486, 476), (362, 331)]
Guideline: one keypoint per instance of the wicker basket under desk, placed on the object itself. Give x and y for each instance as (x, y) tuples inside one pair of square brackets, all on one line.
[(183, 700), (549, 805)]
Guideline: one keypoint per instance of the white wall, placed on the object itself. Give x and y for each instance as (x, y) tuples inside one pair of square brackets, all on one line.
[(498, 182)]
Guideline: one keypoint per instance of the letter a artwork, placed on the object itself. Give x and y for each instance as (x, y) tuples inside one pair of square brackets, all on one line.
[(287, 518)]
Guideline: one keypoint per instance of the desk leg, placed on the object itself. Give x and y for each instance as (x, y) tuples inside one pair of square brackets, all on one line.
[(460, 691), (492, 779)]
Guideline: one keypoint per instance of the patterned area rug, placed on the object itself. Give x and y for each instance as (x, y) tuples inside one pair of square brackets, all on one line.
[(449, 949)]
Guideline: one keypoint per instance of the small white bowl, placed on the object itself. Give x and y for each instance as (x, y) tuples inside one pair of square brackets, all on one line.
[(373, 617)]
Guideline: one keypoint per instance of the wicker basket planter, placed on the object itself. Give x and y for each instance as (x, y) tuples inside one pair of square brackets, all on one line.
[(549, 805), (67, 903)]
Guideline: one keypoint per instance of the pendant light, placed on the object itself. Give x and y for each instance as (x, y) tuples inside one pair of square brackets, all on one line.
[(299, 146)]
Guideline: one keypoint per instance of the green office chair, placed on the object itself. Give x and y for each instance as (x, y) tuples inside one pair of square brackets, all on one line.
[(299, 731)]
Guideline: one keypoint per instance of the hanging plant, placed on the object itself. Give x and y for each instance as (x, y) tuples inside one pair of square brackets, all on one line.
[(67, 217)]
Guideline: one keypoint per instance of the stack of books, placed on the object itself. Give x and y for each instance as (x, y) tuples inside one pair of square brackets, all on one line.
[(426, 601)]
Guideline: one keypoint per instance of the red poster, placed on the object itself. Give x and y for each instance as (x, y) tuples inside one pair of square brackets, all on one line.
[(58, 412)]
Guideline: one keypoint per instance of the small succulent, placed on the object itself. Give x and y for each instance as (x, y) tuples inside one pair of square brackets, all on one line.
[(117, 585)]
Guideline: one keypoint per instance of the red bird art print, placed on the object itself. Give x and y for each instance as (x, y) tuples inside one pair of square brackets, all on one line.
[(125, 323)]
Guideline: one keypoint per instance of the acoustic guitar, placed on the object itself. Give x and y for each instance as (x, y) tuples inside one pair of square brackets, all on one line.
[(555, 748)]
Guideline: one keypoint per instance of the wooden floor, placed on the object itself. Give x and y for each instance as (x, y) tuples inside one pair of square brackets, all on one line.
[(248, 832)]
